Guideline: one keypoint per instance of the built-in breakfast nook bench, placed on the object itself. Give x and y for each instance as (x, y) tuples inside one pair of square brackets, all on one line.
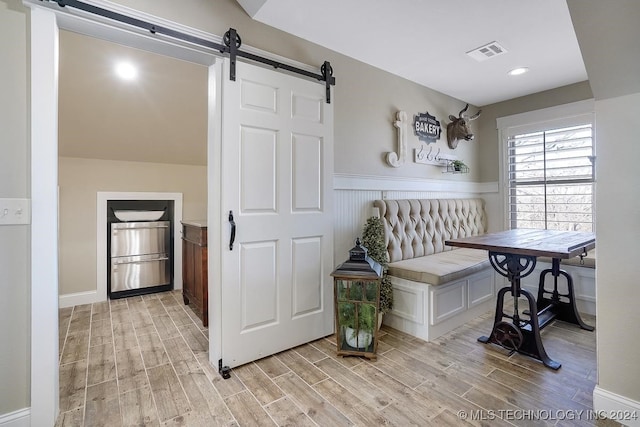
[(436, 288)]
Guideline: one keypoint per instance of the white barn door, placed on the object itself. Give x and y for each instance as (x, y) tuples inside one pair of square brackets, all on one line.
[(277, 180)]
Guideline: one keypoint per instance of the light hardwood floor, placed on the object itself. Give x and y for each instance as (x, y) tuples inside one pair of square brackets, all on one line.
[(144, 361)]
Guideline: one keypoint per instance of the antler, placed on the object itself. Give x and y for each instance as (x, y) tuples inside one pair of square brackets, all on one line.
[(463, 110), (476, 115)]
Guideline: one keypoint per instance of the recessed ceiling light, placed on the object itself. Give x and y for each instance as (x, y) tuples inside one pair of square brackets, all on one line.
[(126, 71), (518, 71)]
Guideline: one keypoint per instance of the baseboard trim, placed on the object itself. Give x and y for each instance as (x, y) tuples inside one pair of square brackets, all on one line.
[(78, 298), (615, 407), (19, 418)]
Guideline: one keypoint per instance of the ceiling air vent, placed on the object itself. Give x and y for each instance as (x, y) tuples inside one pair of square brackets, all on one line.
[(487, 51)]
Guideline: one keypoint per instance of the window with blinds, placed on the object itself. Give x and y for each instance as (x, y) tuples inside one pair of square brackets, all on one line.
[(551, 175)]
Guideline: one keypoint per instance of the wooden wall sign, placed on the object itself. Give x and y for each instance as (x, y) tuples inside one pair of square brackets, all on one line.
[(397, 159), (426, 127)]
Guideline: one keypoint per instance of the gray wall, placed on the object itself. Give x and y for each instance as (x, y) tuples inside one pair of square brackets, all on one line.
[(366, 100), (80, 179), (14, 183)]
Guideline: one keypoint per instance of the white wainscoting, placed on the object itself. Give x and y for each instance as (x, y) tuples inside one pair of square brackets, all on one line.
[(427, 312), (351, 210)]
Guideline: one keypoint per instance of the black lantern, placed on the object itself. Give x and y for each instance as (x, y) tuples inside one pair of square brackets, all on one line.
[(357, 303)]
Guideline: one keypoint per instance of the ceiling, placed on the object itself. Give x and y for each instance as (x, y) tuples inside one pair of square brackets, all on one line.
[(426, 41), (161, 117)]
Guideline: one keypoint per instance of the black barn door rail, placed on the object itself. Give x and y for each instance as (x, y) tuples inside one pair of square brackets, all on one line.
[(231, 46)]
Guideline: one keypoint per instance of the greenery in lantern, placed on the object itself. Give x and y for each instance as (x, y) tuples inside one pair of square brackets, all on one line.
[(357, 312), (373, 240)]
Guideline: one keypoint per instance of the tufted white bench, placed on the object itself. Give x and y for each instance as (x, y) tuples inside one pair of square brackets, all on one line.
[(436, 288)]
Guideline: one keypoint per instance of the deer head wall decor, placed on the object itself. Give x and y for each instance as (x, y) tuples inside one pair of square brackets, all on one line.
[(459, 127)]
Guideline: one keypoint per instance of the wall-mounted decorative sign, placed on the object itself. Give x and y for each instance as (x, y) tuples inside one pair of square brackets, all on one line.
[(397, 159), (426, 127)]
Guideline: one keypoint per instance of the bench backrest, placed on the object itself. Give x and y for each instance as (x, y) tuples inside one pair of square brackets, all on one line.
[(418, 227)]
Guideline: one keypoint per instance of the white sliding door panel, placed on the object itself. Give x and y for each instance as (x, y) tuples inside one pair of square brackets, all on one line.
[(307, 285), (277, 166), (258, 284), (258, 168), (258, 96), (307, 173)]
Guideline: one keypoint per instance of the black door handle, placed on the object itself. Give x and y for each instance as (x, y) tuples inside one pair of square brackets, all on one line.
[(233, 230)]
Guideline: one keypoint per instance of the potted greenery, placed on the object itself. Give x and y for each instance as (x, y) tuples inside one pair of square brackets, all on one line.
[(358, 319), (458, 165), (373, 240)]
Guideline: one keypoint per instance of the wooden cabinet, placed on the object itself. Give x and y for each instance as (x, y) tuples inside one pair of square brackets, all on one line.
[(194, 268)]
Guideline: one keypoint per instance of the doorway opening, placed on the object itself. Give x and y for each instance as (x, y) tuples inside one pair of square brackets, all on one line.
[(134, 138), (45, 28)]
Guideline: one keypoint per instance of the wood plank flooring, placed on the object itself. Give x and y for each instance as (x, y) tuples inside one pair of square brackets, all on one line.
[(143, 361)]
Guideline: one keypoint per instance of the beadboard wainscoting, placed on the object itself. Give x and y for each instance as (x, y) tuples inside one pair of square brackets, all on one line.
[(354, 196)]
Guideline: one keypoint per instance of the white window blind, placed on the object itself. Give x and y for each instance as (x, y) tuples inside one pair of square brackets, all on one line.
[(551, 177)]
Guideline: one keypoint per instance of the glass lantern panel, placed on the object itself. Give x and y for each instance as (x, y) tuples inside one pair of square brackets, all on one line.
[(342, 286), (372, 291), (361, 337), (367, 317), (356, 291), (347, 314)]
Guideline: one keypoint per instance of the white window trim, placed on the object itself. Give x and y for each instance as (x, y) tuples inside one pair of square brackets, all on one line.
[(557, 116), (551, 114)]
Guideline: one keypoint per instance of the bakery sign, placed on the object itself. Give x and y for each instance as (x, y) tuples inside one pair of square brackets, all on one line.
[(426, 127)]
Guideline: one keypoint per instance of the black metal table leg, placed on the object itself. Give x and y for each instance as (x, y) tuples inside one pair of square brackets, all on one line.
[(532, 342), (499, 312), (567, 310), (514, 267)]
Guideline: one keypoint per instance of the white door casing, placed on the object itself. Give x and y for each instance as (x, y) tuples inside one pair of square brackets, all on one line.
[(277, 166)]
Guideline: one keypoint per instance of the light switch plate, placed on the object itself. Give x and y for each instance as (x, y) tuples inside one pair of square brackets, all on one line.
[(15, 211)]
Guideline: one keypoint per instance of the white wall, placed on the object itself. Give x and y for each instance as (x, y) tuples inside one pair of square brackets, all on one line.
[(618, 228)]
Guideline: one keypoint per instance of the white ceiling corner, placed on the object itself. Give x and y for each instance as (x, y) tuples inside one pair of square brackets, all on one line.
[(252, 6), (427, 42)]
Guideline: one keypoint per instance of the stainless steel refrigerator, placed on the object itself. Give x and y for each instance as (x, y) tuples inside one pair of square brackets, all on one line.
[(139, 258)]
